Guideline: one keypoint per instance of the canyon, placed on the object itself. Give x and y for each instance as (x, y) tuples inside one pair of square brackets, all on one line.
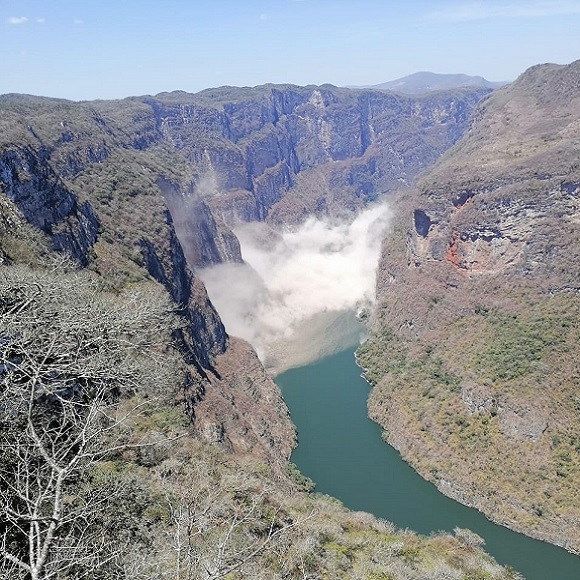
[(473, 339), (151, 186)]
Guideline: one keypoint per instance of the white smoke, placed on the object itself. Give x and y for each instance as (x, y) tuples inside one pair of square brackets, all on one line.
[(297, 280)]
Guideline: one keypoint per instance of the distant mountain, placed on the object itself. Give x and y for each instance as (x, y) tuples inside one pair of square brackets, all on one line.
[(425, 82)]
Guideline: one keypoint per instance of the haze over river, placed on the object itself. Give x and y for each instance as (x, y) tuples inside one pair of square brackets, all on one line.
[(294, 300)]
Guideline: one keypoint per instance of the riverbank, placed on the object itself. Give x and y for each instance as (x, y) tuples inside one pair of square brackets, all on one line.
[(343, 452), (402, 440), (471, 443)]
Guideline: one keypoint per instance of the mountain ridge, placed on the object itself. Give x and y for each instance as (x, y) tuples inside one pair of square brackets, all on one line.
[(424, 82), (480, 302)]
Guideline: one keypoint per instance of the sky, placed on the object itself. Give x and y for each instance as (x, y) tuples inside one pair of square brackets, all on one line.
[(103, 49)]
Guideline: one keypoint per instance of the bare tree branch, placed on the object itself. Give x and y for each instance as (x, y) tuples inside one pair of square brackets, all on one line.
[(68, 352)]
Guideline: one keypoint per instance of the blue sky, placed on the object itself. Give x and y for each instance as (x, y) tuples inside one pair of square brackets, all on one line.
[(88, 49)]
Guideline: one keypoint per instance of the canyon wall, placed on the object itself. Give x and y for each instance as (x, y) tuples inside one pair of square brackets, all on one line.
[(475, 356), (147, 187)]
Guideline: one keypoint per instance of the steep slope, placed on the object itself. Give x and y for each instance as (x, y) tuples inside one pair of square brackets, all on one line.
[(77, 178), (91, 436), (475, 357), (143, 187)]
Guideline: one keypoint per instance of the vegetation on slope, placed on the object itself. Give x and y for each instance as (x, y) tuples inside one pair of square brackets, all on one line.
[(475, 356), (100, 474)]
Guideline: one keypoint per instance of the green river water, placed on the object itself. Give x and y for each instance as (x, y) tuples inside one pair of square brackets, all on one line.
[(343, 452)]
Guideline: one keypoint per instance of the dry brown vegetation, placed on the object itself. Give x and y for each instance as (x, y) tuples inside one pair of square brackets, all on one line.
[(99, 468)]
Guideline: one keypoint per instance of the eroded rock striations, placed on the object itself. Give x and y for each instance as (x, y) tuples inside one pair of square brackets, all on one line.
[(475, 357), (108, 212), (331, 148)]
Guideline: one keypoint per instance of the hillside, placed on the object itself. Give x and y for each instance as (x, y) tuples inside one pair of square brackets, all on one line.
[(138, 440), (475, 356)]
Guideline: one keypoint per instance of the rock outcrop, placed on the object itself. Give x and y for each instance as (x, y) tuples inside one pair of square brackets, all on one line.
[(45, 202)]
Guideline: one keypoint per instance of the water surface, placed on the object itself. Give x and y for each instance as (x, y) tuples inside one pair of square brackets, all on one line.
[(343, 452)]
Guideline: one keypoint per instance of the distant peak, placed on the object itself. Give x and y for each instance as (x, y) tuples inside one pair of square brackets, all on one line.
[(425, 82)]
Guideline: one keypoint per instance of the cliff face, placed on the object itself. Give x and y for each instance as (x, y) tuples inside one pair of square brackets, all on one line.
[(329, 148), (45, 202), (476, 355), (148, 187), (513, 195), (108, 212)]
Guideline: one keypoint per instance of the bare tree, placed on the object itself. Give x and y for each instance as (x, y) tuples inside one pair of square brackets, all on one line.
[(47, 521), (68, 351), (217, 530), (243, 537)]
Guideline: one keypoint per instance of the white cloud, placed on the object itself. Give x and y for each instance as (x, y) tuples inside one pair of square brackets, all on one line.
[(40, 20), (78, 21), (292, 277), (466, 11), (263, 16), (17, 20)]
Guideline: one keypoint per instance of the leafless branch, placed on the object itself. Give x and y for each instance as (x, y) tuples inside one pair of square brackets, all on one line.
[(67, 354)]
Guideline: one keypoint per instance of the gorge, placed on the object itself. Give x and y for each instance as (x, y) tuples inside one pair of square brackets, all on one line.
[(477, 287), (298, 291)]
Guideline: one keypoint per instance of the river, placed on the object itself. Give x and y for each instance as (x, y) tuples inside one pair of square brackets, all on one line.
[(342, 451)]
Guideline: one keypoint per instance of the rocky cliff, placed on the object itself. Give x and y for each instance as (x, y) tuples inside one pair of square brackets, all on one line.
[(78, 181), (229, 154), (329, 148), (475, 357), (148, 187)]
